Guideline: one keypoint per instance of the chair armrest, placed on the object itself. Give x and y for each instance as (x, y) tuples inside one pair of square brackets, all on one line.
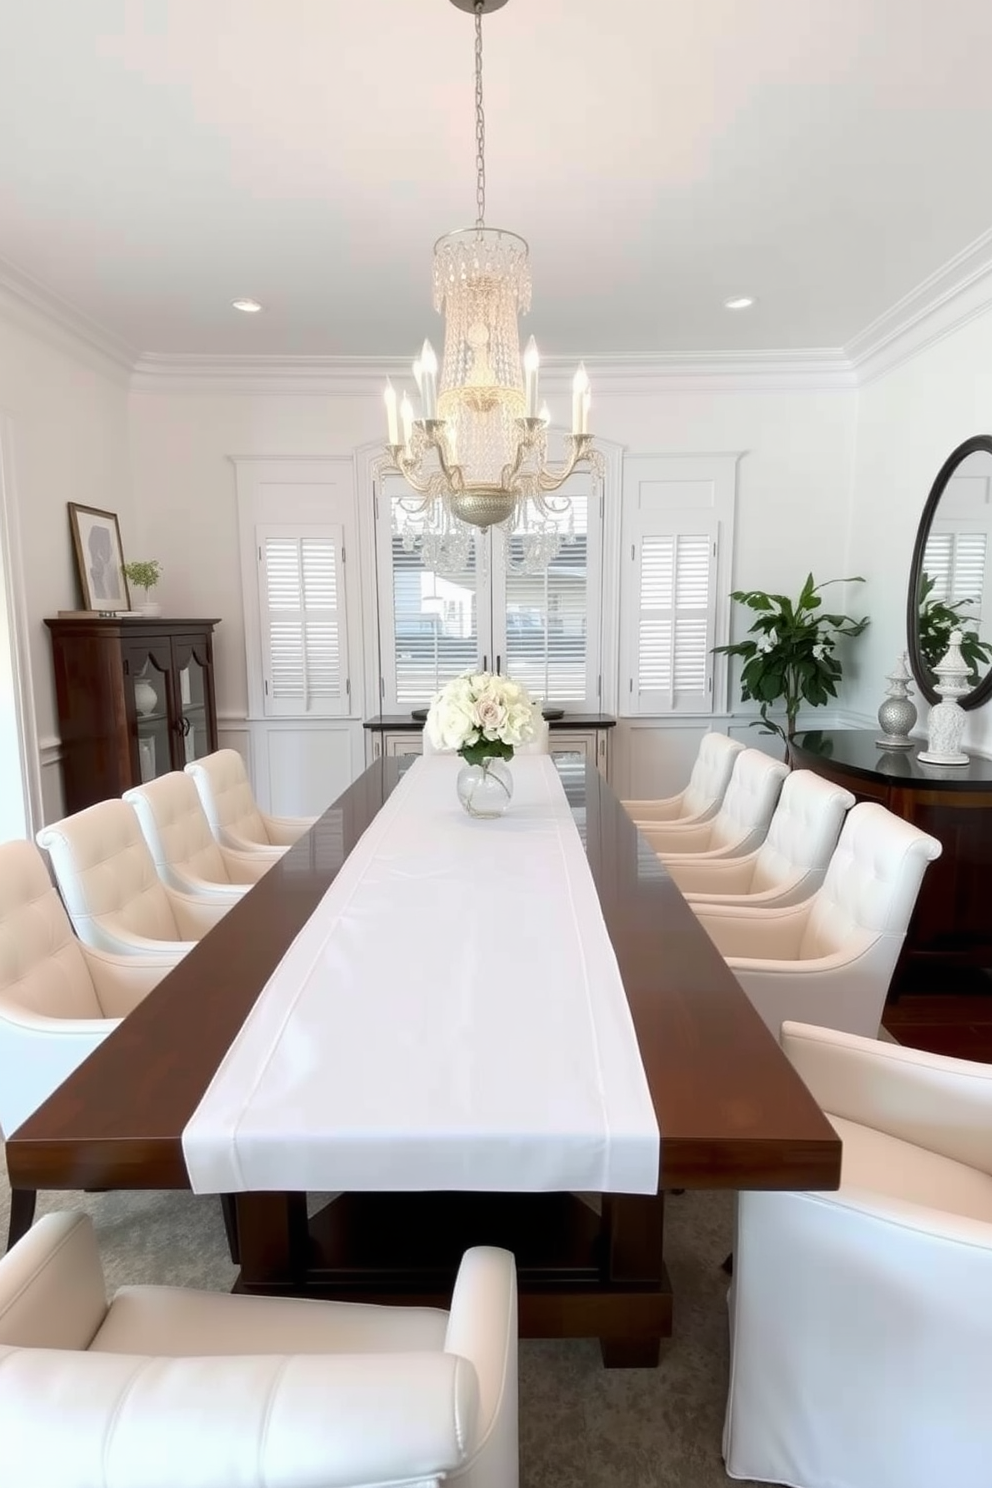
[(261, 1421), (482, 1327), (246, 867), (195, 916), (38, 1053), (285, 830), (793, 890), (209, 889), (941, 1104), (765, 935), (52, 1293), (121, 982), (699, 874), (667, 809), (678, 837), (233, 841)]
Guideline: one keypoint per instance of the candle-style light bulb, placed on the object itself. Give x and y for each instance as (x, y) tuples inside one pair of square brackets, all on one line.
[(545, 415), (406, 419), (586, 400), (391, 420), (532, 361), (428, 386), (580, 387), (418, 374)]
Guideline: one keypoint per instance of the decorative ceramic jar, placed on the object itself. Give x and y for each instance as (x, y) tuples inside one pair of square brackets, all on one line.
[(947, 720), (485, 789), (145, 696), (898, 712)]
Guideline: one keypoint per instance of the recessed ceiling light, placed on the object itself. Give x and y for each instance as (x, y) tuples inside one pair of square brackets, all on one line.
[(250, 307), (739, 302)]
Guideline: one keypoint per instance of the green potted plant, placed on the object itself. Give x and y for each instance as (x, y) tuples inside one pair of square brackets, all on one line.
[(792, 656), (144, 574), (937, 619)]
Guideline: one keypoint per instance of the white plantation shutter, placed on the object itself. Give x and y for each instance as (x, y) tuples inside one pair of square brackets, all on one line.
[(673, 581), (435, 629), (302, 611), (956, 562), (547, 642)]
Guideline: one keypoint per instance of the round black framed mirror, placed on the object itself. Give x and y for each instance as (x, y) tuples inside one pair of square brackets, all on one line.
[(950, 578)]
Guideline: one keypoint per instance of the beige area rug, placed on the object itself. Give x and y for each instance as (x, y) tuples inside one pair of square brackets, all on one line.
[(581, 1426)]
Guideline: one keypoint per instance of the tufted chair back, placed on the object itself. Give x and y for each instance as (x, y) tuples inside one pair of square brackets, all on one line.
[(750, 799), (107, 877), (871, 885), (711, 773), (802, 835), (42, 968), (177, 832), (226, 797)]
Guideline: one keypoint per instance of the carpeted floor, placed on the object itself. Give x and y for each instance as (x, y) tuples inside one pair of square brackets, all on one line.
[(581, 1426)]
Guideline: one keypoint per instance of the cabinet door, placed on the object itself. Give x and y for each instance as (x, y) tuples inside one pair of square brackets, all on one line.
[(193, 684), (147, 680)]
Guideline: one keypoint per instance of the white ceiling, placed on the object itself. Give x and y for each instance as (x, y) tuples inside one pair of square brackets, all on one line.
[(159, 158)]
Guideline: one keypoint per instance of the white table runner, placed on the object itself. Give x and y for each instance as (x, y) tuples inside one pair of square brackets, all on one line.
[(450, 1017)]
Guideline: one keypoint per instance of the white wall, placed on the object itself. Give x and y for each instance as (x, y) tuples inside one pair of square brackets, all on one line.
[(909, 420), (65, 412), (794, 478)]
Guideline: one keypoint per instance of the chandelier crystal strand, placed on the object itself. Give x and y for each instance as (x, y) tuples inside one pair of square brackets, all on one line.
[(477, 457)]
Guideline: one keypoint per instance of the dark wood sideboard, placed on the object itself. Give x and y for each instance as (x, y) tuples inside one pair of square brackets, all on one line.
[(952, 924)]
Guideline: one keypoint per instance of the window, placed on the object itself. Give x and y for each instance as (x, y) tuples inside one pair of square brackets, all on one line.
[(956, 563), (675, 545), (541, 628), (300, 601)]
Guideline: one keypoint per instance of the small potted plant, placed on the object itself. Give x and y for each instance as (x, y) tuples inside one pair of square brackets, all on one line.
[(144, 575)]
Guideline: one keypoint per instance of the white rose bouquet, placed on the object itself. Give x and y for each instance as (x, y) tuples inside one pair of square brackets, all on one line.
[(482, 716)]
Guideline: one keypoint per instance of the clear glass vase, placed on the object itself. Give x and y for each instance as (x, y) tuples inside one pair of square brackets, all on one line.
[(485, 789)]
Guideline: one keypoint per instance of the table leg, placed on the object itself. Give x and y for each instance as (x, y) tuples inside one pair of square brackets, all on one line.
[(22, 1206), (273, 1241), (633, 1233)]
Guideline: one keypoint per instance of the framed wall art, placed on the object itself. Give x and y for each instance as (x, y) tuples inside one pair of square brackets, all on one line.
[(96, 539)]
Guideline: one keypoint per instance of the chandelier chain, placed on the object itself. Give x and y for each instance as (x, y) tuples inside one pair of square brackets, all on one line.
[(480, 124)]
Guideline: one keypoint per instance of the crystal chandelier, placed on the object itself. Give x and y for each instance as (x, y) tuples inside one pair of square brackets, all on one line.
[(477, 457)]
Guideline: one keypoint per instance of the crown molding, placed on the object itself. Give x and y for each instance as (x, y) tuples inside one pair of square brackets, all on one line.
[(359, 376), (29, 304), (959, 291)]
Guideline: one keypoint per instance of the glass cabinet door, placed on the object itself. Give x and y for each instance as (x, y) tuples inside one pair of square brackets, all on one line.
[(194, 711), (149, 681)]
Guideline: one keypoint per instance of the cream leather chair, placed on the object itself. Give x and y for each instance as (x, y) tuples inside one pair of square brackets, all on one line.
[(830, 959), (229, 806), (741, 823), (186, 854), (58, 998), (701, 798), (111, 889), (861, 1320), (167, 1385), (790, 864)]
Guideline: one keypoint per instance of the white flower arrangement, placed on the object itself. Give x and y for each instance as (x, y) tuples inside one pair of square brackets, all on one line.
[(482, 716)]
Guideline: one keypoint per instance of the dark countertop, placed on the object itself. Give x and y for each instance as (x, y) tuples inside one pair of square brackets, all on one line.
[(390, 722), (856, 751)]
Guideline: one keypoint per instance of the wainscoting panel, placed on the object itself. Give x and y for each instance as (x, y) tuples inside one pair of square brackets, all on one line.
[(299, 768)]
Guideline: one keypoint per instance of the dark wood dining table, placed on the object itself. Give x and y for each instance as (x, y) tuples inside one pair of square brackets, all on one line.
[(731, 1110)]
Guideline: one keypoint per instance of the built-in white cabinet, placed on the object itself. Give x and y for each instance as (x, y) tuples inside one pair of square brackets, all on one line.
[(589, 742)]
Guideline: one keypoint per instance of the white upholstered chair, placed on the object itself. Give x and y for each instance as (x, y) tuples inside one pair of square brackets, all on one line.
[(164, 1386), (112, 891), (861, 1320), (702, 796), (789, 865), (229, 806), (186, 854), (830, 959), (58, 998), (741, 823)]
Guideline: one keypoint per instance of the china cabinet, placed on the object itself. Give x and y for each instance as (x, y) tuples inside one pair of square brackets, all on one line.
[(135, 700)]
